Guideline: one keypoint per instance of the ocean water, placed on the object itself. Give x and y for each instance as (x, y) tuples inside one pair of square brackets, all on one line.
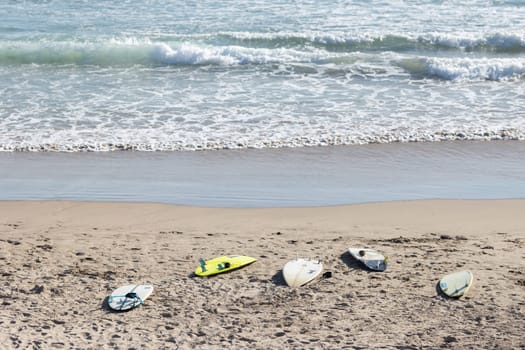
[(161, 75), (302, 176)]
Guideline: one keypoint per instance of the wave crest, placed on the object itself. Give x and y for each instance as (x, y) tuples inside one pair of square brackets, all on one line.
[(397, 42), (227, 48), (457, 69)]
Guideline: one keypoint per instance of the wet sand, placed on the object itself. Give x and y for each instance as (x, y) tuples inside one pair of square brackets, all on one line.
[(60, 260), (316, 176)]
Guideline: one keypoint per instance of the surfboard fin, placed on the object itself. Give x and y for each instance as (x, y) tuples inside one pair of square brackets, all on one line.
[(203, 264)]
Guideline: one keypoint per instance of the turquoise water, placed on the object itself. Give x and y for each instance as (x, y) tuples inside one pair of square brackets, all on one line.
[(165, 75)]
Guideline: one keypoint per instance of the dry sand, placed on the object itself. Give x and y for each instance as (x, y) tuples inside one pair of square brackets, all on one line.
[(60, 260)]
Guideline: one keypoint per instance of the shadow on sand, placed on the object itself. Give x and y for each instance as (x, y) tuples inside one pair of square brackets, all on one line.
[(278, 279), (352, 263)]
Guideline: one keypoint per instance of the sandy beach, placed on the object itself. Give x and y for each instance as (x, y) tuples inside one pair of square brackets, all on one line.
[(139, 138), (60, 261)]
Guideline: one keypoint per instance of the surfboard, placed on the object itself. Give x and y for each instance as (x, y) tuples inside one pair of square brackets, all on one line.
[(456, 284), (370, 258), (300, 271), (222, 264), (128, 297)]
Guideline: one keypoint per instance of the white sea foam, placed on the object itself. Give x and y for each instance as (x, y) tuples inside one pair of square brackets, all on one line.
[(462, 69), (190, 54), (194, 133), (457, 39), (472, 40), (145, 141), (492, 41), (476, 69), (108, 75)]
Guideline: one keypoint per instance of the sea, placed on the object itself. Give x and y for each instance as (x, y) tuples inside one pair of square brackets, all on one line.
[(131, 82)]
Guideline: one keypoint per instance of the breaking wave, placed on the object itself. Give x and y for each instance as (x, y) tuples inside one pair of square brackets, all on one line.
[(230, 48), (466, 68)]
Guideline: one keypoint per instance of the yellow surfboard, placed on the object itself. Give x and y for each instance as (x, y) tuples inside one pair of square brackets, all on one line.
[(222, 264)]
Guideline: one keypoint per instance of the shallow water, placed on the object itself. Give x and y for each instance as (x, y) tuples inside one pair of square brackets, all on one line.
[(272, 177)]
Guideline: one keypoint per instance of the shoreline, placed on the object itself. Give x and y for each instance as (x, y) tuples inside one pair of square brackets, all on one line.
[(61, 259), (311, 177)]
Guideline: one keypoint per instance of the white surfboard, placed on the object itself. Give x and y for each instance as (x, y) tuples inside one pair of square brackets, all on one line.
[(456, 284), (298, 272), (370, 258), (128, 297)]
